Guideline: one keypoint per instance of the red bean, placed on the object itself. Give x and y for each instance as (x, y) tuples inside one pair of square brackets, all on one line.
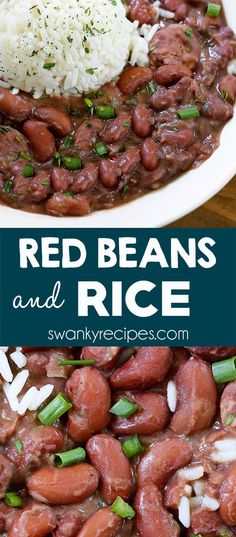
[(117, 129), (228, 406), (197, 398), (106, 454), (149, 366), (134, 78), (143, 120), (62, 486), (174, 491), (171, 44), (179, 139), (87, 133), (170, 73), (40, 138), (150, 154), (103, 523), (228, 497), (151, 417), (162, 459), (108, 175), (6, 473), (216, 108), (142, 11), (128, 161), (85, 179), (228, 88), (18, 108), (69, 522), (8, 421), (58, 121), (33, 189), (88, 390), (60, 204), (61, 179), (105, 357), (152, 519), (212, 353), (207, 523), (36, 520)]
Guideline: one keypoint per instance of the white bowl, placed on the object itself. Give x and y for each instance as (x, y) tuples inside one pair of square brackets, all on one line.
[(158, 208)]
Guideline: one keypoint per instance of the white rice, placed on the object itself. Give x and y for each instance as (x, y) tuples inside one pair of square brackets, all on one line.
[(4, 349), (5, 369), (225, 451), (199, 486), (12, 399), (188, 490), (18, 383), (67, 47), (171, 396), (192, 473), (232, 67), (196, 501), (184, 512), (26, 400), (41, 396), (166, 14), (210, 503), (18, 358)]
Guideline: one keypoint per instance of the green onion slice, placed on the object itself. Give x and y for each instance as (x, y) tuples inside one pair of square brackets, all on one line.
[(132, 447), (19, 446), (213, 10), (72, 163), (68, 141), (76, 362), (13, 499), (151, 87), (101, 149), (188, 113), (69, 457), (105, 111), (225, 370), (124, 408), (28, 170), (122, 509), (25, 155), (54, 410), (7, 186)]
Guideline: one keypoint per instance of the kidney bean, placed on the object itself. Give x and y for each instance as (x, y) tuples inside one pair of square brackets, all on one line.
[(134, 78), (61, 179), (228, 497), (108, 175), (143, 120), (85, 179), (171, 5), (117, 129), (228, 406), (6, 515), (36, 520), (174, 491), (60, 204), (87, 133), (212, 353), (141, 11), (40, 138), (62, 486), (8, 420), (165, 97), (69, 522), (11, 143), (152, 518), (33, 189), (88, 390), (58, 121), (128, 161), (18, 108), (171, 44), (149, 366), (216, 108), (103, 523), (151, 417), (106, 454), (181, 138), (207, 523), (150, 154), (6, 473), (105, 357), (172, 72), (161, 460), (197, 398), (228, 88), (181, 12)]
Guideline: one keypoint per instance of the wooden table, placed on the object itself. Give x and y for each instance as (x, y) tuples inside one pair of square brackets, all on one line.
[(219, 211)]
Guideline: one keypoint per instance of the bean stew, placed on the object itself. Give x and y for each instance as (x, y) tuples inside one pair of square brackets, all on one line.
[(118, 442), (73, 155)]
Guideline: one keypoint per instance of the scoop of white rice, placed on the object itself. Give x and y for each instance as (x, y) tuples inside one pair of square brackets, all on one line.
[(66, 46)]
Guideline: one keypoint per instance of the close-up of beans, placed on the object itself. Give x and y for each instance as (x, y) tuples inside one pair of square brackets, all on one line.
[(72, 155), (118, 442)]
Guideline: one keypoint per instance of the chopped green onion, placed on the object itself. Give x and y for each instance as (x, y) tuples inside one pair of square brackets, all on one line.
[(25, 155), (88, 102), (132, 447), (13, 499), (68, 141), (105, 111), (4, 128), (225, 370), (124, 408), (188, 113), (28, 170), (69, 457), (151, 87), (122, 509), (213, 10), (229, 419), (188, 32), (19, 446), (72, 163), (101, 149), (57, 159), (54, 410), (76, 362), (7, 186), (49, 66)]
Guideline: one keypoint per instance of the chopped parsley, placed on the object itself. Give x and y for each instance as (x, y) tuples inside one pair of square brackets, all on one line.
[(19, 446), (49, 66)]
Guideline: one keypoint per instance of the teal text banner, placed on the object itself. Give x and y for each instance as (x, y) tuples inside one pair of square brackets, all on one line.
[(114, 287)]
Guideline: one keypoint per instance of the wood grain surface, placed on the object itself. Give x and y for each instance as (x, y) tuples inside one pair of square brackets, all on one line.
[(218, 212)]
